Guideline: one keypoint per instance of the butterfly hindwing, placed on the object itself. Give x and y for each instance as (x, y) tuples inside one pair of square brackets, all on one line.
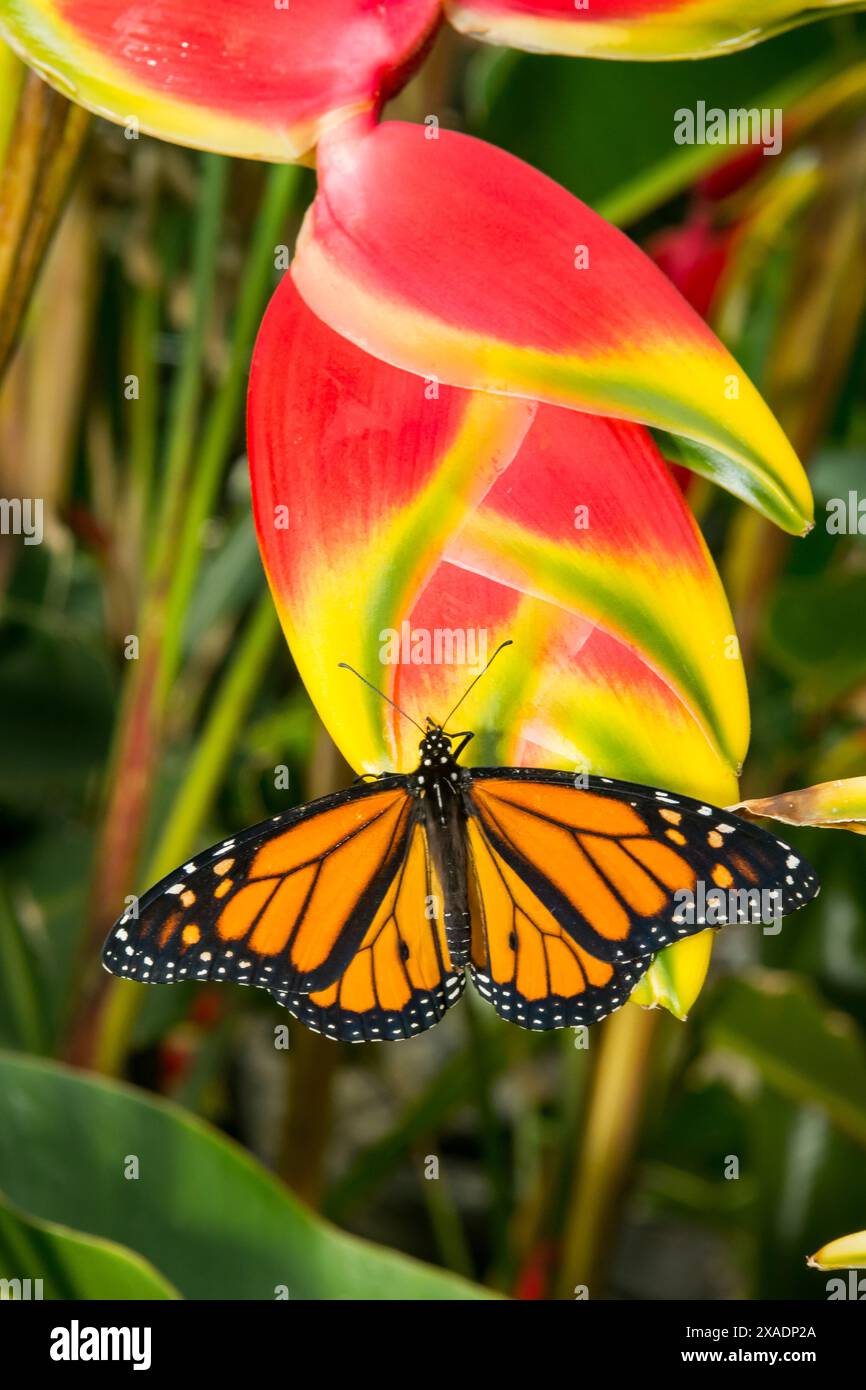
[(284, 905), (400, 980), (575, 888), (524, 962)]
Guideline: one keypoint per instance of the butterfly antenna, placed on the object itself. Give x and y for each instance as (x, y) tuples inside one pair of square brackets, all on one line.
[(344, 665), (474, 682)]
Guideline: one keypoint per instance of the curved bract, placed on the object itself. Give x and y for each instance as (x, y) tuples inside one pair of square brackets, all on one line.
[(258, 78), (508, 284), (840, 804), (639, 29)]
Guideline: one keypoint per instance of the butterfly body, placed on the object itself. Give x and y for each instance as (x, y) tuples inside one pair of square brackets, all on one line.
[(439, 785), (363, 912)]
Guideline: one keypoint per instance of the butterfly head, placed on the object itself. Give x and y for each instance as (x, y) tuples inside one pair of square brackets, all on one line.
[(435, 746), (437, 764)]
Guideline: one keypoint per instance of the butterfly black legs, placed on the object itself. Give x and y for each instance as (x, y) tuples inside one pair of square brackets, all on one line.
[(466, 737)]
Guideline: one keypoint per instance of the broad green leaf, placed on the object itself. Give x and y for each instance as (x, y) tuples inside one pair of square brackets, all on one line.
[(59, 1263), (214, 1221)]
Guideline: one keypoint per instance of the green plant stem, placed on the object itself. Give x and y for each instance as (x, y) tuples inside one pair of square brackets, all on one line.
[(19, 978), (42, 147), (189, 384), (143, 434), (139, 730), (176, 554), (483, 1061), (612, 1125), (280, 192), (232, 701), (448, 1231)]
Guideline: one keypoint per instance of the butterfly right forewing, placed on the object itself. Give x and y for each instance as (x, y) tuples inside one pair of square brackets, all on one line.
[(575, 889)]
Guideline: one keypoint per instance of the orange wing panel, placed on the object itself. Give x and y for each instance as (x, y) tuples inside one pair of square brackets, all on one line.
[(524, 962), (401, 980)]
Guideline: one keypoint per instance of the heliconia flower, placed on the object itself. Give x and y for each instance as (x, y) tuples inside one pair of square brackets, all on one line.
[(839, 805), (261, 78), (264, 78), (449, 401), (407, 528), (847, 1252), (507, 283), (632, 28)]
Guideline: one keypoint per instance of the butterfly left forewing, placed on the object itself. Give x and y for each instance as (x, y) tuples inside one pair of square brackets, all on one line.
[(284, 904)]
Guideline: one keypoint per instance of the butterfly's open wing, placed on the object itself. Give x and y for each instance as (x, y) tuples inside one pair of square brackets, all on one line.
[(574, 889), (331, 907), (400, 979), (284, 904), (526, 963)]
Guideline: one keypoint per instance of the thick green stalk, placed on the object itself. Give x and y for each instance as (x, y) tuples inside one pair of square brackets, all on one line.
[(144, 422), (207, 767), (19, 978), (613, 1120), (42, 143)]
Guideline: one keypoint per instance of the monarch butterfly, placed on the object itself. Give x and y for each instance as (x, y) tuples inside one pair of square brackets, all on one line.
[(362, 912)]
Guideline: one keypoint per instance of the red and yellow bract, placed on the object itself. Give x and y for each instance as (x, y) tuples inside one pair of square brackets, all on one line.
[(265, 78), (380, 502), (244, 77), (452, 259), (638, 29)]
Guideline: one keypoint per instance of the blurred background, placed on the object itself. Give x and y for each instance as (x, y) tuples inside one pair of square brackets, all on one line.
[(148, 701)]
